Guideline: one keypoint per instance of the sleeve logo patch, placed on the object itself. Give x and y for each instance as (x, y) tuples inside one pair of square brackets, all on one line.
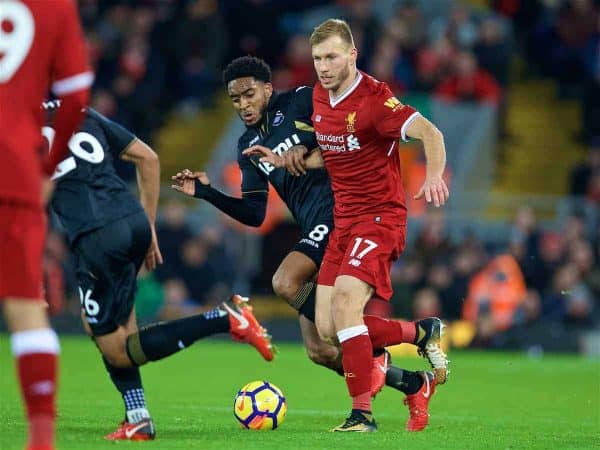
[(393, 103)]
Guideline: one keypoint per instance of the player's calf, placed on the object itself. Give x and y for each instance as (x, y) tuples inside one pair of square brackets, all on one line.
[(324, 354)]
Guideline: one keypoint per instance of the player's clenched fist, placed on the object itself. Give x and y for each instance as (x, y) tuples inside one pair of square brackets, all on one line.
[(185, 181)]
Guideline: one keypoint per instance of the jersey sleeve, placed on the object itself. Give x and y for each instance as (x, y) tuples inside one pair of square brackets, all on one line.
[(252, 178), (118, 137), (390, 117), (303, 110), (303, 102), (70, 72)]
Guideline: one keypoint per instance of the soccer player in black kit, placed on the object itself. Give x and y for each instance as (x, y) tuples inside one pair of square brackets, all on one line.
[(281, 121), (112, 234)]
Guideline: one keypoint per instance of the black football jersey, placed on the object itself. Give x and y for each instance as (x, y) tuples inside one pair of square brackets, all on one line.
[(89, 194), (287, 122)]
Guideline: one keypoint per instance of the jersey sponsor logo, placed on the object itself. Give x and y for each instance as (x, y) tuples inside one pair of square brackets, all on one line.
[(279, 118), (279, 149), (350, 122), (309, 242), (393, 103), (353, 143), (337, 143)]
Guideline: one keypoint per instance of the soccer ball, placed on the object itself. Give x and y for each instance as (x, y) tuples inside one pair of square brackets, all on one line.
[(259, 405)]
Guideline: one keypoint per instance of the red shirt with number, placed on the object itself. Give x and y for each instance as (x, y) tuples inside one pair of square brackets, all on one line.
[(42, 49), (358, 134)]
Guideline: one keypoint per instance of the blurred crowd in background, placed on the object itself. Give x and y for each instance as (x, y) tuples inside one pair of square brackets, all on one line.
[(157, 58)]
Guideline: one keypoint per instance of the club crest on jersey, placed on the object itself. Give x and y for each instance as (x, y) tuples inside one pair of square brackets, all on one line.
[(278, 120), (350, 122)]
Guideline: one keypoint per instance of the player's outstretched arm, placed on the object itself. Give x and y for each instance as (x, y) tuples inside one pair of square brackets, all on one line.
[(296, 160), (148, 180), (434, 188), (249, 210)]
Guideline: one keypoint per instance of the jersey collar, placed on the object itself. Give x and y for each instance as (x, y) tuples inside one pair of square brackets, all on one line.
[(349, 90)]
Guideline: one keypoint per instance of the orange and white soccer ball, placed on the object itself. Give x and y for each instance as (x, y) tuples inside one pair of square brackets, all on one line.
[(260, 405)]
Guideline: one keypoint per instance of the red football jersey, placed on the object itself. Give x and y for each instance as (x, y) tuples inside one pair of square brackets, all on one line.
[(41, 49), (358, 133)]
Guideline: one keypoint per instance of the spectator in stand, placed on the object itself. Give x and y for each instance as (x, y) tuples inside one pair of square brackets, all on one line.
[(468, 82), (415, 29), (201, 49), (196, 270), (177, 301), (433, 63), (591, 87), (583, 174), (496, 295), (493, 54), (581, 254), (297, 69), (575, 25), (569, 300), (172, 232), (433, 243), (458, 26), (365, 28), (391, 66), (426, 304)]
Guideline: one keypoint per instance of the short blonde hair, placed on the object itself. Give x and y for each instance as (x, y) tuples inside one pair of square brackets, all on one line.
[(332, 27)]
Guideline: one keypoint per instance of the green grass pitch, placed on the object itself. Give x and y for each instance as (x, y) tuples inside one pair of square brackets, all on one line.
[(492, 400)]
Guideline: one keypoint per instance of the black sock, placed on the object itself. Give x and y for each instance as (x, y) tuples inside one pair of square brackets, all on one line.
[(403, 380), (129, 383), (157, 341), (308, 308)]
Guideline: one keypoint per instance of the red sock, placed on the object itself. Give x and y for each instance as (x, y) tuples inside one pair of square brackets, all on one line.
[(357, 354), (384, 332), (36, 352)]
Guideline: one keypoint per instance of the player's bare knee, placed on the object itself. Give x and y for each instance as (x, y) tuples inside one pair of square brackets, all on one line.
[(117, 358), (321, 353), (284, 286), (325, 329)]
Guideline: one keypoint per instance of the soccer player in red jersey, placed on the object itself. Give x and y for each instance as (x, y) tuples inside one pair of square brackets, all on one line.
[(41, 49), (358, 122)]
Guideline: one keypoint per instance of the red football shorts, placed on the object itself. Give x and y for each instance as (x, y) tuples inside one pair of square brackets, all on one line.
[(364, 249), (22, 237)]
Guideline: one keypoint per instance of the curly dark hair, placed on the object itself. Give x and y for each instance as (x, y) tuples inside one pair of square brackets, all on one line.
[(247, 66)]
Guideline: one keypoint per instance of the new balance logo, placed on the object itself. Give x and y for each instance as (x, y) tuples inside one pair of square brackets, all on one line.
[(353, 143)]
